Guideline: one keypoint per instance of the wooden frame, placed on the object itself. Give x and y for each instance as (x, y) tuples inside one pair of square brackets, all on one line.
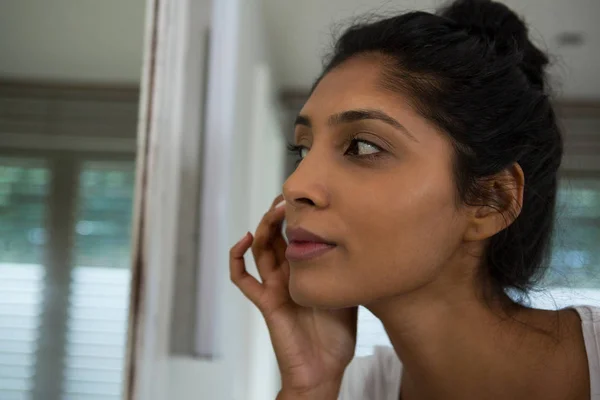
[(167, 190)]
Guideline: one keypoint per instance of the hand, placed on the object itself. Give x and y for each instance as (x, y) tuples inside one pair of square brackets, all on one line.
[(313, 346)]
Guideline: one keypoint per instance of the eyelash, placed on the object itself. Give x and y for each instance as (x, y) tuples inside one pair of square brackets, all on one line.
[(297, 150)]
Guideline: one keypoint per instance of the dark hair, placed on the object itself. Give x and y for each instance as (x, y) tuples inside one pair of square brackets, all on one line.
[(472, 70)]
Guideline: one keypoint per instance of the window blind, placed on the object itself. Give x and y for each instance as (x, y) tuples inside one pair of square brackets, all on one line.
[(21, 286), (99, 288), (91, 328), (23, 195), (96, 333)]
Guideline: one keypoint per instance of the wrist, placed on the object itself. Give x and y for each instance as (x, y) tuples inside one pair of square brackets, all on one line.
[(326, 391)]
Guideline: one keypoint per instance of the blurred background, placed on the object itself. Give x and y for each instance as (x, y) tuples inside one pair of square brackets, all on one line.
[(69, 88), (204, 94)]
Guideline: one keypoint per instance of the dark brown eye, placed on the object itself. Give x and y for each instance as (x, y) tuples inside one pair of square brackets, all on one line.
[(360, 148)]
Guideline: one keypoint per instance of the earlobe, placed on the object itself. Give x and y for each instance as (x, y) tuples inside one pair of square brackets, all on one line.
[(486, 222), (501, 201)]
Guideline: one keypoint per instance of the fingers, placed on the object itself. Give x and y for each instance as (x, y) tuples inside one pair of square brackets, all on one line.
[(279, 243), (248, 284), (285, 268), (267, 249), (279, 247), (277, 201)]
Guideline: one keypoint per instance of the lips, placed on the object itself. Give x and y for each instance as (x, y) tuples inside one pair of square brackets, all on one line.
[(305, 245)]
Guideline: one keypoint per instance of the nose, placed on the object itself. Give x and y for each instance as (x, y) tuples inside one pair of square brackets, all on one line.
[(306, 186)]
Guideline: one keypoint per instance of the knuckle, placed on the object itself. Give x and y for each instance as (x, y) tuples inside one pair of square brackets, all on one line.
[(234, 276), (270, 216), (255, 248), (266, 217)]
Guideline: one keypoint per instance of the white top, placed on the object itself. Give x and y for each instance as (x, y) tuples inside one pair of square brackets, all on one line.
[(377, 377)]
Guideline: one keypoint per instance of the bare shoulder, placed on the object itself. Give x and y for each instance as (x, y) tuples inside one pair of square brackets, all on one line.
[(572, 372), (556, 359)]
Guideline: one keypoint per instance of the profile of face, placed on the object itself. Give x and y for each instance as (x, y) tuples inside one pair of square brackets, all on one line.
[(375, 179)]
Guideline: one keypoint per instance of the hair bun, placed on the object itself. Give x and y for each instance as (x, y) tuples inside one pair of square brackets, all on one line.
[(488, 18), (503, 29)]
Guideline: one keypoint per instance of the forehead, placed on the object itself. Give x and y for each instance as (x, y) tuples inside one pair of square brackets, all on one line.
[(357, 84), (354, 84)]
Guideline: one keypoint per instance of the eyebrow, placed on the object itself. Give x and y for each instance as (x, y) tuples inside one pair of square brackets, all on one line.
[(350, 116)]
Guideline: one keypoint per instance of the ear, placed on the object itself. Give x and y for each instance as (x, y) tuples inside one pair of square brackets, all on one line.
[(500, 205)]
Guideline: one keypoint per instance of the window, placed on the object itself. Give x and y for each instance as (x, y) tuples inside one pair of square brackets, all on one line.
[(64, 261), (99, 285), (574, 274), (24, 187)]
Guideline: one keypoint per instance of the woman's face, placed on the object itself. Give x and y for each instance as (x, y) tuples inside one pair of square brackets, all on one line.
[(376, 179)]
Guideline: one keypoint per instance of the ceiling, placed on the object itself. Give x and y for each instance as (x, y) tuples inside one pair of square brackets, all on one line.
[(101, 41), (300, 33), (91, 41)]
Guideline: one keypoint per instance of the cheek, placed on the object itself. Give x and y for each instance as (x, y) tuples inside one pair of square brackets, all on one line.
[(405, 230), (389, 250)]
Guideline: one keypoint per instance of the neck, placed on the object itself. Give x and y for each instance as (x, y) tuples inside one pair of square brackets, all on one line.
[(454, 343)]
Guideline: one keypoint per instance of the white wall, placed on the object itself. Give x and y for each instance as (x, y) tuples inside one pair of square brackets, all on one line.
[(72, 40), (298, 49), (192, 379), (241, 114)]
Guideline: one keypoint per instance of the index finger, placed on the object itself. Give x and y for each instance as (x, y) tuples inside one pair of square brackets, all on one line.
[(277, 201), (263, 248)]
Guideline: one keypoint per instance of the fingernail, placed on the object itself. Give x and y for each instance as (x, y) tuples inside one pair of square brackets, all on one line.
[(282, 203), (243, 237)]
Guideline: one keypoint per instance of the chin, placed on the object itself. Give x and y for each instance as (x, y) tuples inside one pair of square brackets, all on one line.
[(307, 298), (315, 291)]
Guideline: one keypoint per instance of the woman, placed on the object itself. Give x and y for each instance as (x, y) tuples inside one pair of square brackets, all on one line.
[(425, 191)]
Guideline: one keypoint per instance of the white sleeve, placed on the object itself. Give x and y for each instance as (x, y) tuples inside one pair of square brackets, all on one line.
[(354, 384), (375, 377)]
